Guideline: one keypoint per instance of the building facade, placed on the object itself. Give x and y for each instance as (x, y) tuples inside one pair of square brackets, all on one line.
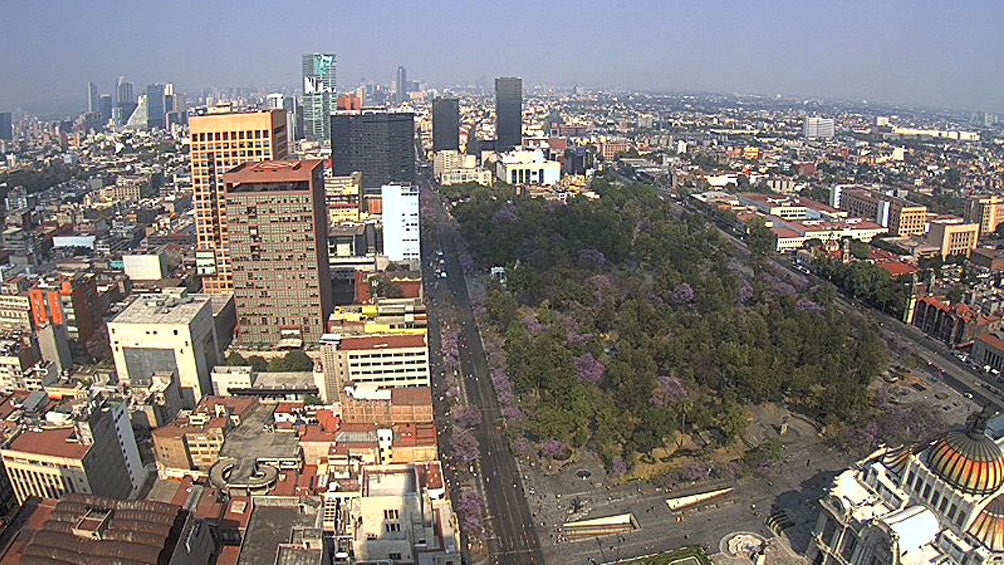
[(163, 334), (94, 454), (508, 113), (987, 211), (279, 239), (378, 144), (953, 236), (221, 140), (384, 361), (401, 224), (6, 126), (527, 167), (814, 127), (319, 91), (446, 124), (938, 502), (156, 108), (903, 218)]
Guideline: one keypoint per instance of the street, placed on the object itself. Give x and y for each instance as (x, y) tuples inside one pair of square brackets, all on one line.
[(512, 537)]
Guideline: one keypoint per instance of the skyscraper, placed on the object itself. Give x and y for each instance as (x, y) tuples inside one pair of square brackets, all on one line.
[(378, 144), (508, 113), (125, 101), (124, 91), (105, 107), (92, 98), (156, 106), (445, 124), (279, 242), (402, 85), (319, 84), (221, 140), (6, 126)]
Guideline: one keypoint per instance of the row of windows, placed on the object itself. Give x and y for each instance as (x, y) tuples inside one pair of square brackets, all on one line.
[(228, 135), (930, 494)]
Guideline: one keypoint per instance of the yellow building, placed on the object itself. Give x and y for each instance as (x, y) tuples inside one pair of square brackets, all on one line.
[(953, 236), (902, 217), (15, 312), (343, 196), (221, 140), (987, 211)]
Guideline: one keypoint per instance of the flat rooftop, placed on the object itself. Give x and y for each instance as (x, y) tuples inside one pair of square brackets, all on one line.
[(53, 442), (290, 380), (273, 171), (250, 440), (397, 482), (273, 525), (161, 310)]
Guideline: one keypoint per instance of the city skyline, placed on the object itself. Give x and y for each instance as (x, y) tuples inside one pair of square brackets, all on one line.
[(928, 55)]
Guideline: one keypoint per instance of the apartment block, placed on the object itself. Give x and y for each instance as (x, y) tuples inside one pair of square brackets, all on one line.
[(278, 232), (953, 236), (987, 211)]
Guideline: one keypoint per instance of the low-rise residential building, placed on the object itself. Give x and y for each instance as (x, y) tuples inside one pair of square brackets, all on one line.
[(191, 445)]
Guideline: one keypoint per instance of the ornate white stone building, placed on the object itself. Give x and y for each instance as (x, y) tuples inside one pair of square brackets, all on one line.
[(936, 503)]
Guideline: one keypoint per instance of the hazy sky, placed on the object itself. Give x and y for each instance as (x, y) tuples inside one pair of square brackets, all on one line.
[(948, 54)]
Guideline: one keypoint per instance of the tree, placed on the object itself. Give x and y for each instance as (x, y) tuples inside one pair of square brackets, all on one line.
[(761, 240), (235, 359), (294, 361), (258, 363)]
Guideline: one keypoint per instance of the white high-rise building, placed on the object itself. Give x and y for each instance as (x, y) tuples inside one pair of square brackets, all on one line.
[(401, 225), (167, 334), (815, 127)]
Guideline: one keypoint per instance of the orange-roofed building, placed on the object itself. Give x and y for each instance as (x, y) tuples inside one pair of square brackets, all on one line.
[(954, 324)]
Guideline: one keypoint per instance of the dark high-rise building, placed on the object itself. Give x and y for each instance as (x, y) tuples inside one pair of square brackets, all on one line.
[(402, 85), (378, 144), (508, 113), (6, 126), (92, 98), (445, 124), (155, 106), (105, 107), (319, 84), (278, 231)]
